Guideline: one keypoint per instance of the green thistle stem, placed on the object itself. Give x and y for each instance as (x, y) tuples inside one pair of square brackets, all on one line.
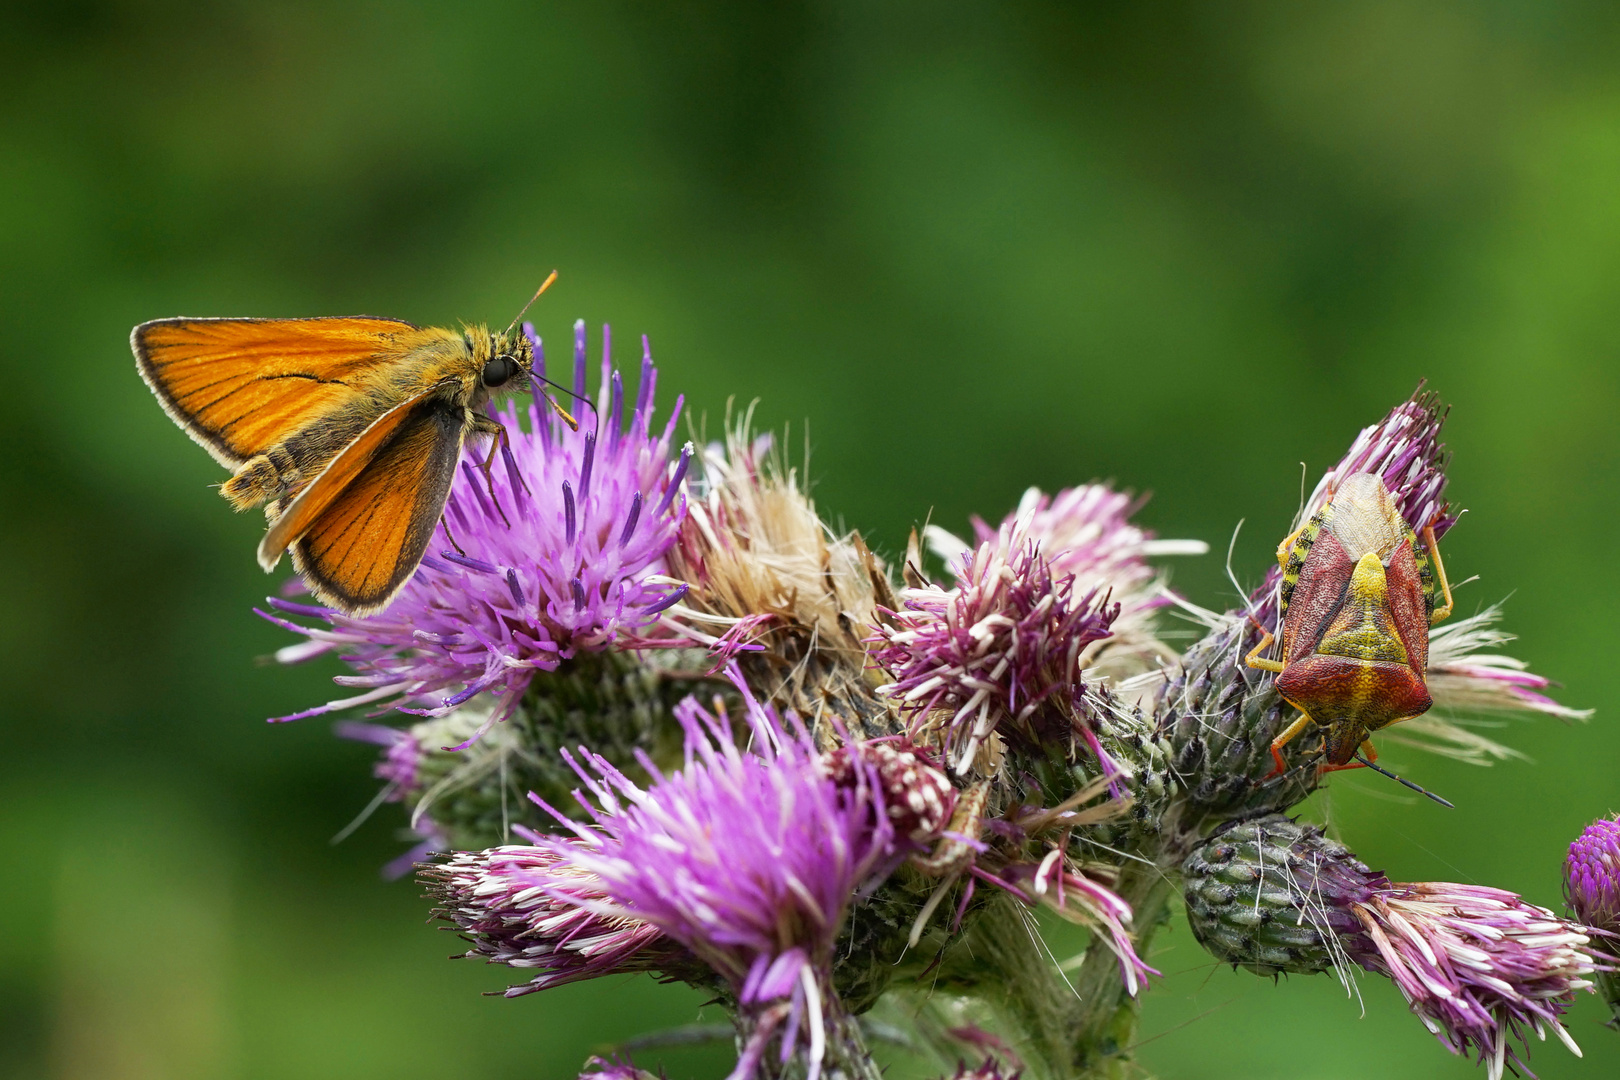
[(1105, 1032), (846, 1056)]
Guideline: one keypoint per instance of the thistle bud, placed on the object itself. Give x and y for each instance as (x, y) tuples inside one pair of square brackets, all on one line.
[(1481, 968), (617, 703), (1219, 718), (1592, 889), (1269, 895)]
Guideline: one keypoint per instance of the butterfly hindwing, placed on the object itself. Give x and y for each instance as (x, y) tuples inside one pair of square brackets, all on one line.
[(368, 533), (240, 386)]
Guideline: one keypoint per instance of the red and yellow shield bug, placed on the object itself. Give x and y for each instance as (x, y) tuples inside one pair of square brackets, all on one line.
[(1358, 597)]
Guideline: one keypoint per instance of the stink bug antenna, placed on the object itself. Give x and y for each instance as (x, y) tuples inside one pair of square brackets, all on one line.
[(1404, 781), (544, 285)]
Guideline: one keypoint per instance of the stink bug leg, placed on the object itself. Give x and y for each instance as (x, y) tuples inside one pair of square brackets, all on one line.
[(1288, 736), (1440, 570), (1285, 548), (1357, 762), (1253, 659)]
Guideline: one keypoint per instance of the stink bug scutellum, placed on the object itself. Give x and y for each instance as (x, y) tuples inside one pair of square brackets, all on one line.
[(1358, 597)]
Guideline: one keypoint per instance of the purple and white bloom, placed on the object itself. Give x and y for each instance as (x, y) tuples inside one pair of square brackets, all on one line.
[(1592, 875), (1082, 900), (748, 859), (1469, 672), (989, 651), (1405, 452), (1479, 966), (1085, 531), (529, 907), (567, 557), (620, 1068)]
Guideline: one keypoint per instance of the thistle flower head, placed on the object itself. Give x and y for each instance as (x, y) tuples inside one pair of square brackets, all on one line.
[(1592, 875), (1479, 966), (620, 1068), (1086, 532), (528, 907), (749, 859), (775, 589), (916, 795), (565, 556), (992, 649), (1469, 672), (1405, 452)]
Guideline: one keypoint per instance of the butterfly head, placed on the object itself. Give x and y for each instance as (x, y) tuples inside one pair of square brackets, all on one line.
[(504, 361)]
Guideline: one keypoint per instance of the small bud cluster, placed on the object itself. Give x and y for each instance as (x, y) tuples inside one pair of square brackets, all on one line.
[(917, 796)]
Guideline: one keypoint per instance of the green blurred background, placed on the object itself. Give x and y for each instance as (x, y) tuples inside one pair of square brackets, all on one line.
[(975, 247)]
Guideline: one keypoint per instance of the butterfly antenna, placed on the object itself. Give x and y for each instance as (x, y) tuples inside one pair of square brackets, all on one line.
[(544, 285), (1402, 780)]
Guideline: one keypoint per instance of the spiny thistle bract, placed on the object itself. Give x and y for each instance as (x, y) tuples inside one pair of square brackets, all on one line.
[(665, 720)]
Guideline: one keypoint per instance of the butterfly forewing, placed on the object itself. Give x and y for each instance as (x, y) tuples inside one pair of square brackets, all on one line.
[(240, 386), (368, 537)]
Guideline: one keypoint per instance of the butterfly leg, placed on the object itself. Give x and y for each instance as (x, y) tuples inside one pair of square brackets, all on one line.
[(444, 523), (483, 425)]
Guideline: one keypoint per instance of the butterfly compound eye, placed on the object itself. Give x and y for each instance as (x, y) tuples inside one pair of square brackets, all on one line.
[(499, 371)]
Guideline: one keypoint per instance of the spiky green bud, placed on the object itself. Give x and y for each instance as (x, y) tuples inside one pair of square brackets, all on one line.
[(615, 703), (1272, 896), (1219, 716)]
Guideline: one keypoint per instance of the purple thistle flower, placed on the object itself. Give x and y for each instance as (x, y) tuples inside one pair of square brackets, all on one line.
[(1008, 636), (747, 858), (1085, 531), (568, 556), (1405, 452), (1479, 966), (620, 1068), (533, 908), (1467, 672), (1592, 875)]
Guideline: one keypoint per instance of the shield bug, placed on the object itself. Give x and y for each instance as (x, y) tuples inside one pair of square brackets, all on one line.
[(1358, 597)]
